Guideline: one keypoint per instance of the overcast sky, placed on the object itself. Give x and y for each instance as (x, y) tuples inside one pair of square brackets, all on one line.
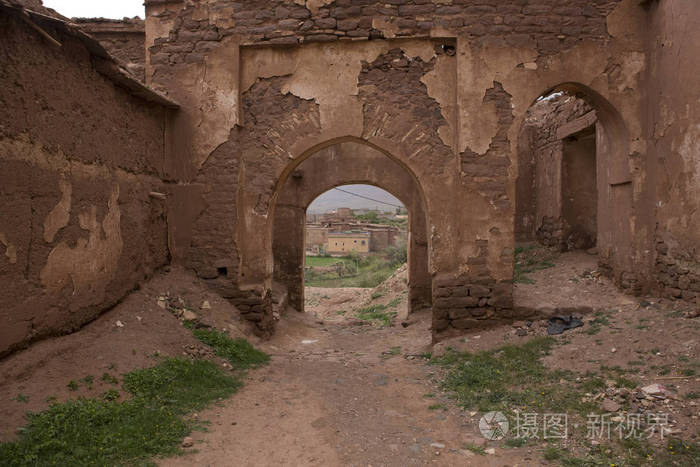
[(333, 199), (98, 8)]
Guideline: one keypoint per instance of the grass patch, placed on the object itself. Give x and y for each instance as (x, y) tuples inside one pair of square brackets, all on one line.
[(599, 320), (21, 398), (513, 376), (239, 352), (109, 379), (509, 377), (359, 271), (529, 259), (106, 432), (180, 385), (376, 314), (515, 442)]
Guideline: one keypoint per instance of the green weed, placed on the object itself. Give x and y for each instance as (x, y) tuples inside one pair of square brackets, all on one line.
[(239, 353), (106, 432)]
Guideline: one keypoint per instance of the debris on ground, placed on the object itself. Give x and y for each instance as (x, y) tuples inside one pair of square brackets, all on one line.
[(559, 324)]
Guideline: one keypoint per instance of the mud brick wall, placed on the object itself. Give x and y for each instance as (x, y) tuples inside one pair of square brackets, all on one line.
[(674, 37), (78, 159), (124, 39), (549, 25)]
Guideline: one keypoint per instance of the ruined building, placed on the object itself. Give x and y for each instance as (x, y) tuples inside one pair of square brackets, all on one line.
[(205, 148)]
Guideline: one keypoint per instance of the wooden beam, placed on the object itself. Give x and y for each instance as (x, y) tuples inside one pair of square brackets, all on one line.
[(25, 17), (577, 125)]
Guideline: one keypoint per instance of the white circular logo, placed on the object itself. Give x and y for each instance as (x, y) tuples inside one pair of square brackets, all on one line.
[(494, 425)]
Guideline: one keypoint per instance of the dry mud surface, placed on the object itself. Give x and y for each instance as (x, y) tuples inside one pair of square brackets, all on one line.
[(339, 391)]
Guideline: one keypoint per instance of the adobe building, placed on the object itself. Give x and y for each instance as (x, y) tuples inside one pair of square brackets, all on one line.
[(350, 241), (251, 109)]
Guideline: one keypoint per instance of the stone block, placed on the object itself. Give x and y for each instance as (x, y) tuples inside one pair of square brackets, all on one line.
[(464, 323), (479, 291)]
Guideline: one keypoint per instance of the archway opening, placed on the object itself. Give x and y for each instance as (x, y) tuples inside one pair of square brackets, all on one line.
[(350, 216), (574, 189), (356, 247)]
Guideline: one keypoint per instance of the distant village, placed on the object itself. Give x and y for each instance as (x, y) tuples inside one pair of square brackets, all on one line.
[(345, 230)]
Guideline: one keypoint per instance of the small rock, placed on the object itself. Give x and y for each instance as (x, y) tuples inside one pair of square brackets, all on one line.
[(381, 380), (521, 332), (519, 324), (437, 445), (613, 350), (490, 451), (592, 251), (610, 405), (654, 390), (187, 442), (188, 315), (161, 302), (205, 305), (119, 324)]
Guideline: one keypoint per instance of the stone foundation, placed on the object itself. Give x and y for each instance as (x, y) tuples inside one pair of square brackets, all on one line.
[(678, 275), (550, 232), (462, 304), (254, 305)]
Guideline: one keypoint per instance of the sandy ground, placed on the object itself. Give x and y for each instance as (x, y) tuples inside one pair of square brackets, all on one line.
[(339, 391), (575, 281)]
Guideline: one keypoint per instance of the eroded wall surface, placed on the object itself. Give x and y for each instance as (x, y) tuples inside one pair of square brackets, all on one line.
[(674, 144), (442, 87), (78, 159), (540, 207)]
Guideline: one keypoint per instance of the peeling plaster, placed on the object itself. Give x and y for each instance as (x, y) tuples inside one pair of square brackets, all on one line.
[(441, 84), (10, 249), (218, 98), (60, 214), (340, 65), (337, 93), (388, 28), (689, 150), (476, 73), (93, 262)]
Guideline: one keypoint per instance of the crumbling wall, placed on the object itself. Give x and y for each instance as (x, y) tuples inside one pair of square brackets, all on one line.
[(539, 212), (441, 88), (78, 159), (674, 145), (347, 162), (124, 39)]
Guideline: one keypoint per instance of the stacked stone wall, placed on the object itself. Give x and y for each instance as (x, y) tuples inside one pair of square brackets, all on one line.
[(548, 25)]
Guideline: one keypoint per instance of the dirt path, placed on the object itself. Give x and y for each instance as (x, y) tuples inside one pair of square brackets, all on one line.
[(339, 400), (339, 391)]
